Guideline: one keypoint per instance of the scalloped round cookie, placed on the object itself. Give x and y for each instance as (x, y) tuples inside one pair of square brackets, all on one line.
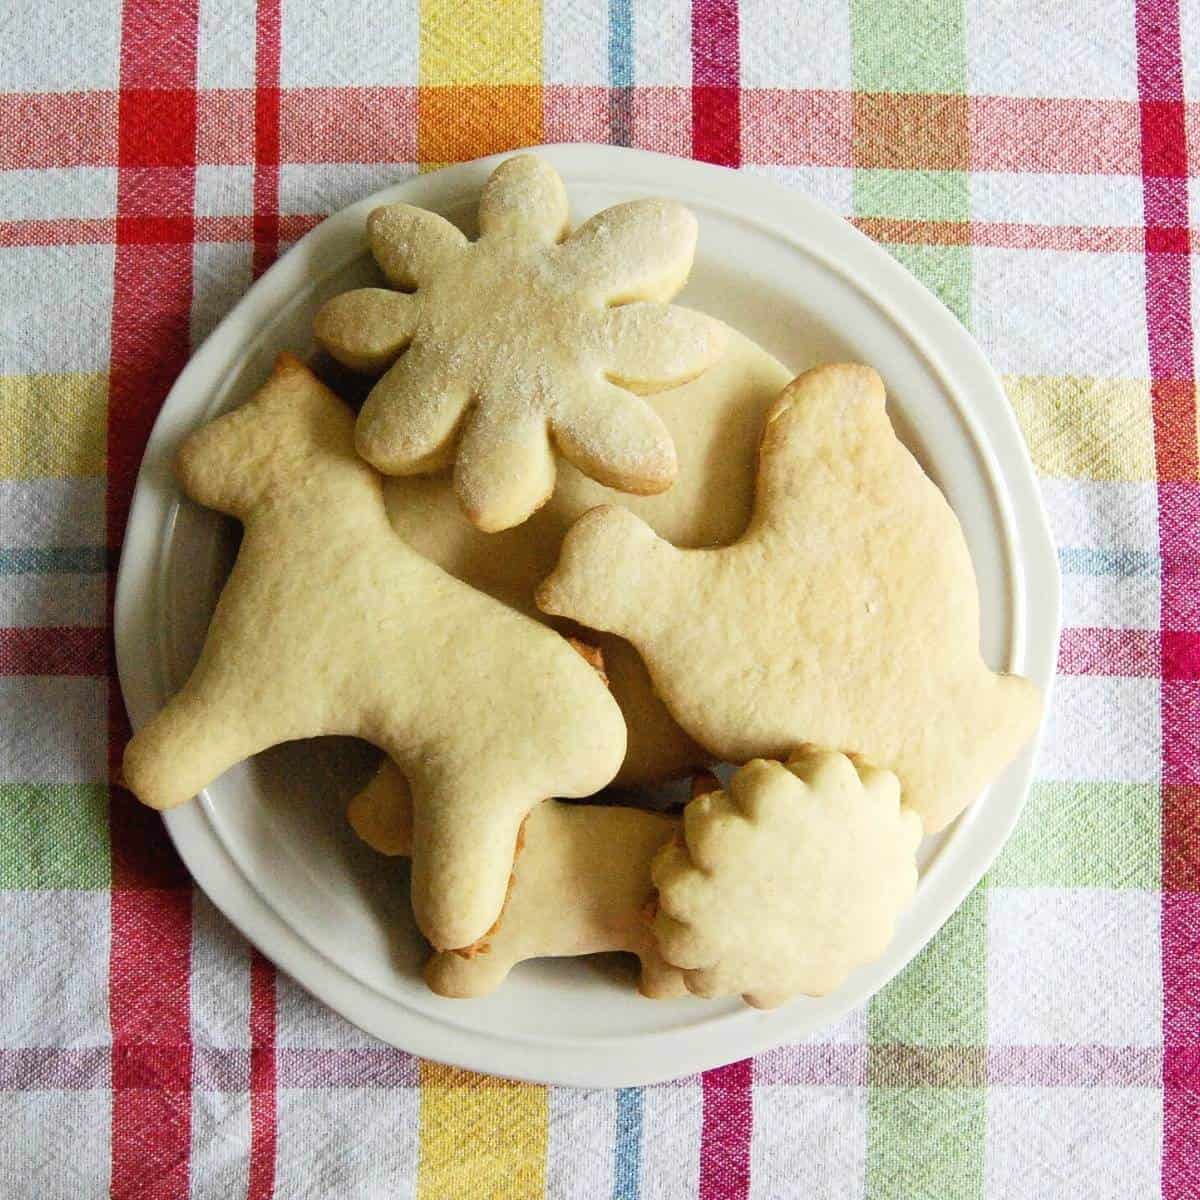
[(715, 422), (783, 883)]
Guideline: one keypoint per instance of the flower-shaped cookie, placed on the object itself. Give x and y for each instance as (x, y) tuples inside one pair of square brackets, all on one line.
[(788, 881), (505, 348)]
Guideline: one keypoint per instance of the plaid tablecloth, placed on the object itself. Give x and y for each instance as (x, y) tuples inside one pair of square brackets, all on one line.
[(1027, 159)]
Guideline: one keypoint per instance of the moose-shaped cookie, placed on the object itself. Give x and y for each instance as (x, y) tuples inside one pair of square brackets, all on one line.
[(778, 885), (331, 624), (846, 616), (580, 885)]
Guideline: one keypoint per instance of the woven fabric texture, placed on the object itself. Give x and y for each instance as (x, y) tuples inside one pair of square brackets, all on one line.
[(1030, 161)]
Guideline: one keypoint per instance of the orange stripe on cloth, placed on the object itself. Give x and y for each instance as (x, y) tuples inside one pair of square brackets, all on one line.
[(481, 79)]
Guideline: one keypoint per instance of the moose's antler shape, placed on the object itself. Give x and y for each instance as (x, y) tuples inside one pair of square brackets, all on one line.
[(846, 617), (580, 885), (329, 624)]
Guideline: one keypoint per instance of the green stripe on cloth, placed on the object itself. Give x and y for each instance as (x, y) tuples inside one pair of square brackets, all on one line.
[(54, 837), (945, 270), (911, 195), (925, 1143), (909, 46), (926, 1067), (53, 560), (940, 998), (1085, 835)]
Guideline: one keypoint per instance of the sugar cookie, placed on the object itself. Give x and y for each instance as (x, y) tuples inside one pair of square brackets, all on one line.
[(329, 623), (846, 616), (523, 342), (786, 882), (580, 885), (715, 422)]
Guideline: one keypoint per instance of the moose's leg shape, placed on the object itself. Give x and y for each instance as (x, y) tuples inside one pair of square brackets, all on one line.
[(659, 980), (463, 850), (194, 739), (462, 977)]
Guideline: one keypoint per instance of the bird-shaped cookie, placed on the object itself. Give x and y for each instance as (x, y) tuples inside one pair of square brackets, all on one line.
[(846, 617)]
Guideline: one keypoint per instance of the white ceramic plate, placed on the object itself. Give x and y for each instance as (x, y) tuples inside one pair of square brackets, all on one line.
[(268, 841)]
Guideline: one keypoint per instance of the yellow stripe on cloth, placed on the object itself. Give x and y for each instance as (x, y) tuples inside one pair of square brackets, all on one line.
[(480, 93), (53, 425), (1085, 428), (481, 79), (480, 41), (480, 1137)]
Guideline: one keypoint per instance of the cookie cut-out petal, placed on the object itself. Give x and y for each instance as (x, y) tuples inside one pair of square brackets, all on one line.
[(519, 307), (656, 346), (641, 250), (524, 197), (504, 471), (682, 890), (368, 328), (616, 438), (412, 245), (408, 424)]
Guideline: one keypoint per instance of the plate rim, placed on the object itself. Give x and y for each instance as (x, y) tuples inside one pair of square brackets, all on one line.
[(988, 417)]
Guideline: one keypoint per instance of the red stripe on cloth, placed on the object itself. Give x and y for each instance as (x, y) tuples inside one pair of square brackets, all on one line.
[(155, 231), (725, 1135), (577, 113), (157, 127), (152, 1051), (1133, 653), (66, 650), (797, 127), (266, 135), (225, 126), (1086, 137), (1086, 239), (73, 129), (63, 231), (261, 1184), (1171, 239), (148, 231), (716, 137), (149, 1005), (1181, 843), (1181, 656), (355, 125), (1172, 371), (379, 124), (262, 1079), (716, 99), (1098, 239)]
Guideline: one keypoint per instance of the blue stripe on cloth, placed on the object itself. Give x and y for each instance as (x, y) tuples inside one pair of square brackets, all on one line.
[(627, 1150), (620, 43), (1076, 560), (53, 560), (620, 71)]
